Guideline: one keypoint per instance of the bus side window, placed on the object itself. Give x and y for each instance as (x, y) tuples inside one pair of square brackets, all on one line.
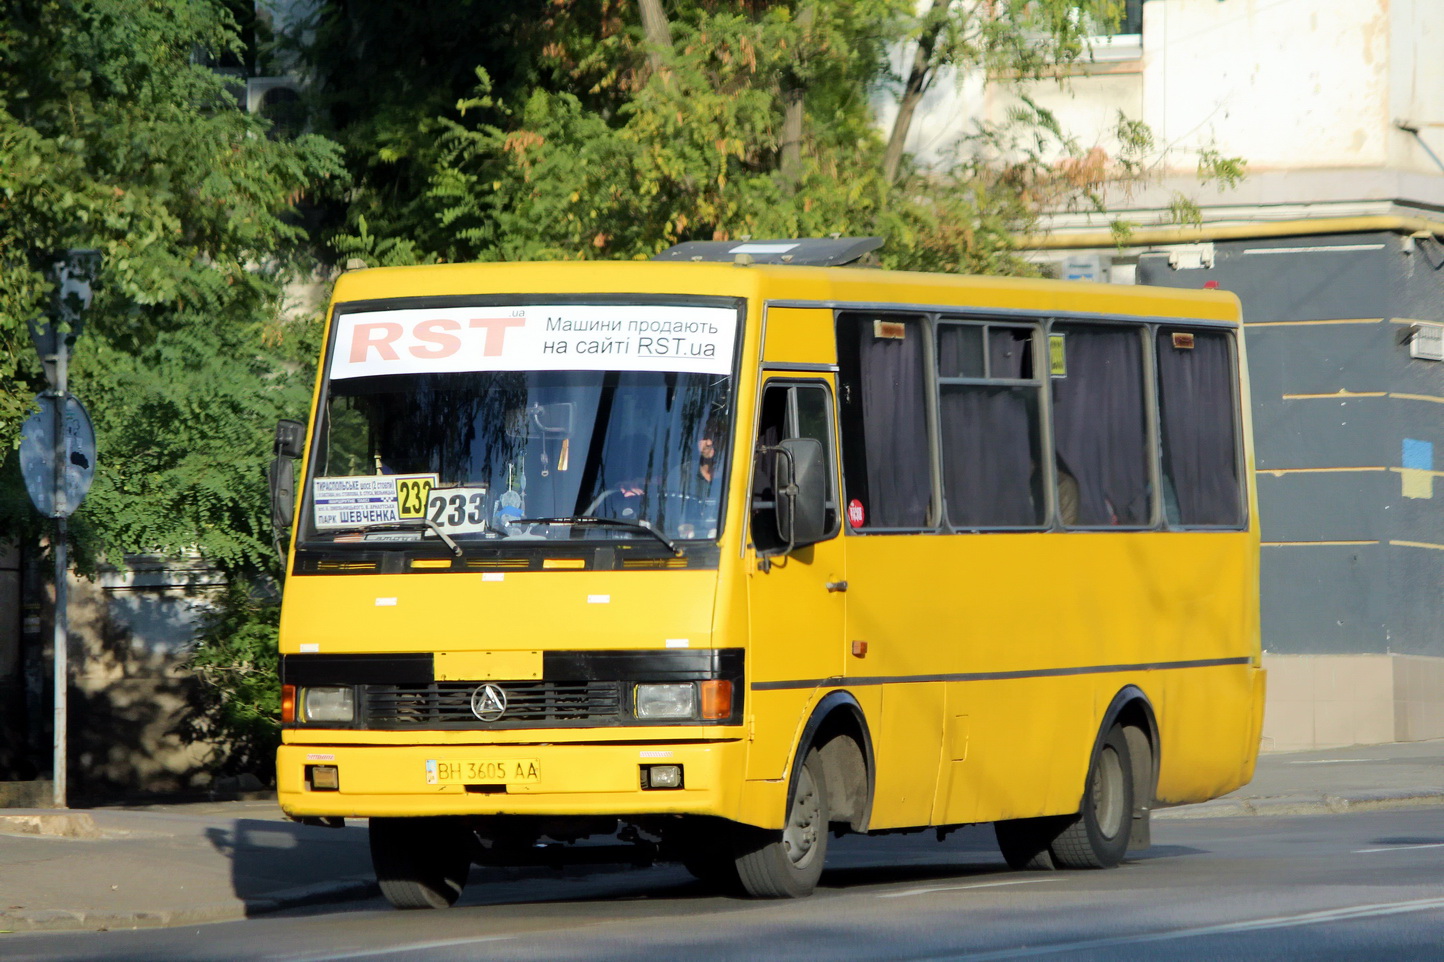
[(883, 408), (1100, 428), (990, 425), (1197, 428), (789, 411)]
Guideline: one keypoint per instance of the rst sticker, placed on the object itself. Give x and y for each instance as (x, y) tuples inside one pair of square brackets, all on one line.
[(856, 515), (534, 337)]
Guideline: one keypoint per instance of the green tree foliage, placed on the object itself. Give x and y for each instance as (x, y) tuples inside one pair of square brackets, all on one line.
[(236, 663), (116, 133), (616, 129)]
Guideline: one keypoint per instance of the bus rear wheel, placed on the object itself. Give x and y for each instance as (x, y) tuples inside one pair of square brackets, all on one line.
[(787, 864), (1097, 837), (421, 863), (1026, 842)]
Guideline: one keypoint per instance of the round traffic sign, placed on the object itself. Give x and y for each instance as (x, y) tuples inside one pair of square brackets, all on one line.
[(37, 456)]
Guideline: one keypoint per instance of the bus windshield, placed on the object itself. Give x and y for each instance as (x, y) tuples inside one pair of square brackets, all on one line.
[(487, 452), (409, 448)]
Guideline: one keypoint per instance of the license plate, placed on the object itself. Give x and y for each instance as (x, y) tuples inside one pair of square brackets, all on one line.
[(476, 771)]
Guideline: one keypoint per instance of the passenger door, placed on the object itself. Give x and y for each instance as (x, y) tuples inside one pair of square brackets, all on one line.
[(796, 598)]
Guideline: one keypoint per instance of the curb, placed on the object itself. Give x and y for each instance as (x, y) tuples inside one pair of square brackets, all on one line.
[(61, 920), (1308, 803), (50, 824)]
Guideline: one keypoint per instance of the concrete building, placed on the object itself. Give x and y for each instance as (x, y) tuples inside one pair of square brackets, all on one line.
[(1333, 242)]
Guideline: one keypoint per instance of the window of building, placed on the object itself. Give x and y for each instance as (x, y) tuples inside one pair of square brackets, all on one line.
[(1131, 21), (883, 412), (1100, 427), (1197, 431), (988, 413)]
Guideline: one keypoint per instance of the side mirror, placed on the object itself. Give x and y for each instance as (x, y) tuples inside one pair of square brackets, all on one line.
[(289, 444), (290, 439), (282, 475), (799, 478)]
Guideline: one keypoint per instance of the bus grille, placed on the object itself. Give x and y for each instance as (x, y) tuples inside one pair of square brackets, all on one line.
[(529, 704)]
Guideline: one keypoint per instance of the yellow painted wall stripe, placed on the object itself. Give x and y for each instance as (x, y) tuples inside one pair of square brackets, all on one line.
[(1280, 472), (1314, 544), (1346, 394), (1339, 320)]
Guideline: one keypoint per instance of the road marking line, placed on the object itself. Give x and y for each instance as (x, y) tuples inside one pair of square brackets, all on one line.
[(409, 947), (958, 888), (1228, 928), (1329, 761), (1396, 848)]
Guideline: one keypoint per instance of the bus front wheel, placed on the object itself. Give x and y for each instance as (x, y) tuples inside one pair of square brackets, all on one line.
[(787, 864), (1097, 837), (421, 863)]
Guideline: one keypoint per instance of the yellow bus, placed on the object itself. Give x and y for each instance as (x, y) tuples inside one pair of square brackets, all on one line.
[(728, 553)]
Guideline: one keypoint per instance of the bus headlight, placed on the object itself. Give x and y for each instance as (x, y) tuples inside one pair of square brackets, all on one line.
[(327, 705), (666, 701)]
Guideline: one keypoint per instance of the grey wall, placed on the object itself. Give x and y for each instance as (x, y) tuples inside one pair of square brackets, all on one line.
[(1337, 575)]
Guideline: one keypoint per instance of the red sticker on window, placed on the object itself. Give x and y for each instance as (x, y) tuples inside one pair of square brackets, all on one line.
[(855, 515)]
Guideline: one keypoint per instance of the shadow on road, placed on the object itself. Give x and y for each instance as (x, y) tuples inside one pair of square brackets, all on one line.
[(272, 858)]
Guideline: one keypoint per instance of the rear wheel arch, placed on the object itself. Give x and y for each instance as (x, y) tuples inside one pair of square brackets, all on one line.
[(1132, 710)]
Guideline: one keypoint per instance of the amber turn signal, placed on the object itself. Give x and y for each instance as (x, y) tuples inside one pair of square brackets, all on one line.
[(716, 699)]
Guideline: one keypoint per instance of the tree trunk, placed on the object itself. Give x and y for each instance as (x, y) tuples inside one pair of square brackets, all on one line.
[(917, 84), (793, 96), (657, 30)]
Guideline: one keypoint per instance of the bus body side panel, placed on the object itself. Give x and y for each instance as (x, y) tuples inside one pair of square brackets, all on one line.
[(998, 654)]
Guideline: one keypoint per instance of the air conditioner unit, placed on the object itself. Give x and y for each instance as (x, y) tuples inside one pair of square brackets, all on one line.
[(266, 93), (1427, 342)]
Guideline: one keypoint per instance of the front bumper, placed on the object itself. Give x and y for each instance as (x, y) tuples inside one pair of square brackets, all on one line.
[(571, 779)]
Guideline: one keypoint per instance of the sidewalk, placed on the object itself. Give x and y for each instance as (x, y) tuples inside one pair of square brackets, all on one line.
[(1356, 779), (170, 865), (177, 864)]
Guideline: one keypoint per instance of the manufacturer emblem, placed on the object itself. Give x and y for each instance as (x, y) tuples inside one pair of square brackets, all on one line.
[(488, 702)]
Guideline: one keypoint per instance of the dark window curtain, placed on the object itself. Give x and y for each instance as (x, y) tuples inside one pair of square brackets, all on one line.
[(1196, 420), (990, 458), (884, 421), (1010, 352), (1099, 426), (960, 351)]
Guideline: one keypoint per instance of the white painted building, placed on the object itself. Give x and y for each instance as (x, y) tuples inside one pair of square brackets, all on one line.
[(1333, 242)]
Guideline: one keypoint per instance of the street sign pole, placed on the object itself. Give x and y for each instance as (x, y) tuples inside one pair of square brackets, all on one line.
[(62, 567), (70, 451)]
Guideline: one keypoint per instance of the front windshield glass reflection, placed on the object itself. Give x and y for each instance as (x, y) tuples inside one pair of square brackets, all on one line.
[(490, 455)]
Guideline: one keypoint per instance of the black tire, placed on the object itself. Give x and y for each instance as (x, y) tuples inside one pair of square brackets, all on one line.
[(421, 863), (704, 848), (1097, 837), (786, 864), (1025, 842), (713, 865)]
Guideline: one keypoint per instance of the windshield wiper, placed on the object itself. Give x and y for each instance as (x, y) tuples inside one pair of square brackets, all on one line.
[(405, 524), (589, 521)]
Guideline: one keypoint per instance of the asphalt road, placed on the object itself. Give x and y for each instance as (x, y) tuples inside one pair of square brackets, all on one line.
[(1322, 887)]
